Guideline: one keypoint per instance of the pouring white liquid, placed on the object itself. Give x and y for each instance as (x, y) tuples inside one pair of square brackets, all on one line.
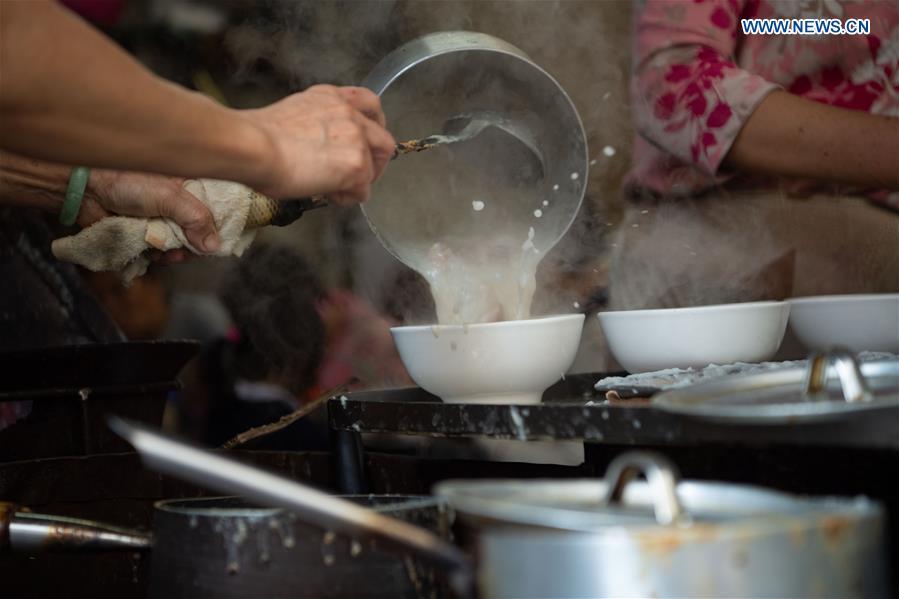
[(493, 280), (476, 245)]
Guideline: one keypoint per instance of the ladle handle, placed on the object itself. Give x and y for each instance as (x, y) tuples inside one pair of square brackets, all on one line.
[(419, 145), (182, 460), (265, 211)]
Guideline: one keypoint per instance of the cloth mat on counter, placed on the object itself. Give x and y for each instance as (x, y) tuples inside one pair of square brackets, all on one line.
[(122, 244), (646, 384)]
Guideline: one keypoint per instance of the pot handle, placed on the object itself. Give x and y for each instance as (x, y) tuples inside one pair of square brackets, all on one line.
[(22, 531), (852, 382), (661, 475)]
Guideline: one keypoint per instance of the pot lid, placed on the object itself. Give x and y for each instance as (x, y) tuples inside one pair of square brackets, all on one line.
[(620, 501), (832, 385)]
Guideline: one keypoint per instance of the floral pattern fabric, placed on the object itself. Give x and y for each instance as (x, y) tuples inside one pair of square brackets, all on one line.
[(697, 78)]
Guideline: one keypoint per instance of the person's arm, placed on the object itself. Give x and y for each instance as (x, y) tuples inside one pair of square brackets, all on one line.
[(689, 97), (70, 95), (32, 183), (794, 137), (37, 184), (693, 101)]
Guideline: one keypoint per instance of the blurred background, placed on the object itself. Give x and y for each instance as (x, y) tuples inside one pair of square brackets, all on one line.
[(325, 316)]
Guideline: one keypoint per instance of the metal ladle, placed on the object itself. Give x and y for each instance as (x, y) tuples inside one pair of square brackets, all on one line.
[(466, 74), (512, 138)]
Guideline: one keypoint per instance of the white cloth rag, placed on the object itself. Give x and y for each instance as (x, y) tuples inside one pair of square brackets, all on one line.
[(122, 243)]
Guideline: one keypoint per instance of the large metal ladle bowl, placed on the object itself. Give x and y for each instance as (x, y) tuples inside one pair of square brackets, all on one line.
[(525, 145)]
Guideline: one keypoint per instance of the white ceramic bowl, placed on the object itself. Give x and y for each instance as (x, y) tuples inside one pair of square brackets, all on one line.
[(859, 322), (648, 340), (494, 362)]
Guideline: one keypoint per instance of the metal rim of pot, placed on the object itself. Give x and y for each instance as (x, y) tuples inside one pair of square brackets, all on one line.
[(193, 506)]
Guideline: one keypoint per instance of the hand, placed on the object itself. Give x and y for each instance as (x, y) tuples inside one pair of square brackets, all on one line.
[(328, 141), (111, 193)]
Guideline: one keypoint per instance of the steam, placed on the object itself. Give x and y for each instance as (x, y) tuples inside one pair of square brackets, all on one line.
[(309, 42), (709, 250)]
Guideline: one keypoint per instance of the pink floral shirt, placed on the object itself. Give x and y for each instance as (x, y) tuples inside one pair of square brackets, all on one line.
[(697, 78)]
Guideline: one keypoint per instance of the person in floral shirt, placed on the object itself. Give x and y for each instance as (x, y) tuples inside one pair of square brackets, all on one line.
[(699, 83), (732, 128)]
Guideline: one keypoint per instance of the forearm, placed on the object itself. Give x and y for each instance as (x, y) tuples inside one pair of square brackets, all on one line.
[(37, 184), (32, 183), (793, 137), (70, 95)]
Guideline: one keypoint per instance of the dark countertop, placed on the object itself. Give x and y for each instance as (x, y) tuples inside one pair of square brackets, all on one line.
[(572, 410)]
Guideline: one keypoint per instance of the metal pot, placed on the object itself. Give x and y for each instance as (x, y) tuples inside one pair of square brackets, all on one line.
[(428, 199), (664, 538), (585, 538), (223, 547)]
